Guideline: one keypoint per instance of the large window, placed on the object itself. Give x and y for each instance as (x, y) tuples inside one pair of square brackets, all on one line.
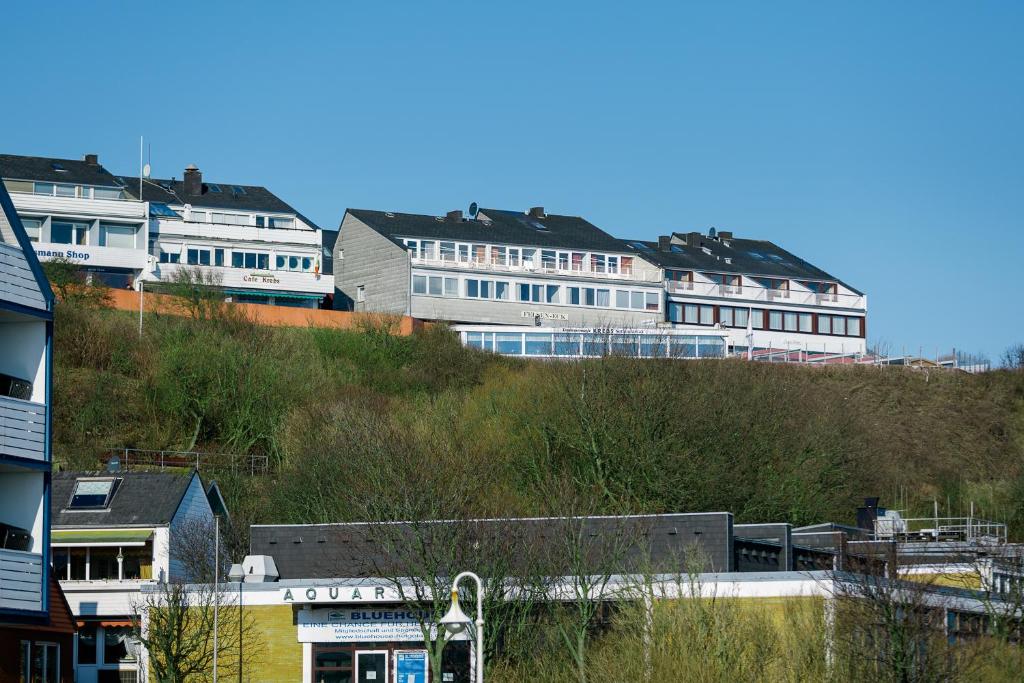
[(198, 257), (229, 218), (33, 228), (774, 320), (250, 259), (121, 236), (170, 253), (67, 232)]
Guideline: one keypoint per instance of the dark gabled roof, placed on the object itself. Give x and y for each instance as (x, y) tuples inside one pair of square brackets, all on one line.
[(252, 197), (747, 257), (614, 544), (141, 499), (76, 171), (495, 226)]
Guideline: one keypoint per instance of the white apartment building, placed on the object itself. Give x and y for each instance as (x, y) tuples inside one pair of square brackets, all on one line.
[(497, 267), (124, 230), (257, 247), (113, 534), (768, 299), (75, 209)]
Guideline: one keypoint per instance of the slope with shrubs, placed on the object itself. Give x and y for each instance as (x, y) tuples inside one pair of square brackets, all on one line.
[(342, 414)]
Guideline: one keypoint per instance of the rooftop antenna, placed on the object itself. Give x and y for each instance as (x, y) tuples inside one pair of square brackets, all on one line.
[(141, 168), (473, 209)]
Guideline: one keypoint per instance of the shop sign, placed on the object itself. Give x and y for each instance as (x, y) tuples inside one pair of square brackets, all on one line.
[(544, 315), (336, 594), (261, 278), (360, 624)]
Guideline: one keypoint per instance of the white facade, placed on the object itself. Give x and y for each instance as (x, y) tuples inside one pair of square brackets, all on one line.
[(249, 259), (103, 228)]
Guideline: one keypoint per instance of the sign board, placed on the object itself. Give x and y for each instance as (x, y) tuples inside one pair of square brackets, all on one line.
[(410, 666), (91, 255), (360, 624), (300, 594), (544, 315)]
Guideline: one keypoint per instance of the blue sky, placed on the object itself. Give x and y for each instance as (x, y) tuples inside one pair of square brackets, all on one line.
[(881, 141)]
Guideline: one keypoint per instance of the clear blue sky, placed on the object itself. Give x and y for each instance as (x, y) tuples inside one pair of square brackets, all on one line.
[(882, 141)]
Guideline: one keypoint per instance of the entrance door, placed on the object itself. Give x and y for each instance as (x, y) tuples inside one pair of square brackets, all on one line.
[(371, 666)]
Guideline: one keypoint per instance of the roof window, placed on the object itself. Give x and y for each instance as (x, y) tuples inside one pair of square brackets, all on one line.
[(59, 167), (640, 246), (677, 249), (213, 188), (236, 189), (93, 494)]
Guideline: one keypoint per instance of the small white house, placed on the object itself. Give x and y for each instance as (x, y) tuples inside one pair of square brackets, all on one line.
[(114, 533)]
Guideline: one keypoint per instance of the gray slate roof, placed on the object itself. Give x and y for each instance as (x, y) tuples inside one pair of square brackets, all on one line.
[(618, 544), (142, 499), (76, 171), (502, 227), (254, 197), (748, 257)]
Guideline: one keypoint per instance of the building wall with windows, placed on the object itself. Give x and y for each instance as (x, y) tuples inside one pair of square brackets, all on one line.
[(371, 272)]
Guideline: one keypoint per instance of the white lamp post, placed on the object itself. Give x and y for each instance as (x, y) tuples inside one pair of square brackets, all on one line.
[(455, 620), (237, 573)]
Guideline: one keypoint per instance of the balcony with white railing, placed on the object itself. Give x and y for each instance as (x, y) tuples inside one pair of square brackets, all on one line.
[(21, 580), (495, 266), (50, 205), (176, 228), (22, 428), (751, 291)]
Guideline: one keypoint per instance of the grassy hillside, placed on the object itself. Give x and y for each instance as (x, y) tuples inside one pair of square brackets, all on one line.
[(423, 424)]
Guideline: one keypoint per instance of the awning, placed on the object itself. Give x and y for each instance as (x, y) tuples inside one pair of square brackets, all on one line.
[(100, 536), (276, 295), (106, 622)]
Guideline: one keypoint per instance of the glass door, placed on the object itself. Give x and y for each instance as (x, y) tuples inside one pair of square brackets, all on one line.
[(371, 666)]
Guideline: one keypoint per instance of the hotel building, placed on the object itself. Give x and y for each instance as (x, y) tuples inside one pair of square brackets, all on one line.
[(249, 242), (497, 267), (765, 297), (36, 630)]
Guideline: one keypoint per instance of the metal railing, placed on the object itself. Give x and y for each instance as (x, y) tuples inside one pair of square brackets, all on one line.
[(126, 458), (962, 529), (754, 292)]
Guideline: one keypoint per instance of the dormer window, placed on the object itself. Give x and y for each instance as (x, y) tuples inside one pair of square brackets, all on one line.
[(93, 494)]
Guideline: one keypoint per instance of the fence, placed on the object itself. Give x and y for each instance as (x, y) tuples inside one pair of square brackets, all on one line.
[(126, 458)]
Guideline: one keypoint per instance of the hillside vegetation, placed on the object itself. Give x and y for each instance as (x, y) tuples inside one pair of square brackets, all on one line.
[(415, 421)]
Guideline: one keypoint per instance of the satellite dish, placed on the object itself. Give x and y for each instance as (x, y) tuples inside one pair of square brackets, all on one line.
[(146, 170), (473, 208)]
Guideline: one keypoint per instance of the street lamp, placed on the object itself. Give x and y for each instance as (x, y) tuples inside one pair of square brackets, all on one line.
[(236, 573), (455, 620)]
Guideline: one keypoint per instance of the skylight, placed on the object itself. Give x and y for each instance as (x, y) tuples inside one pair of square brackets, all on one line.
[(756, 254), (640, 246), (59, 167), (235, 189), (213, 188), (678, 249), (92, 494)]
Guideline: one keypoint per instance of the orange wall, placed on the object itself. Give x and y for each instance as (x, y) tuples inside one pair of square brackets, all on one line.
[(278, 316)]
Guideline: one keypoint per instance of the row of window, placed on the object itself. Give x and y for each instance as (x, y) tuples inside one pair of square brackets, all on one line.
[(80, 191), (761, 319), (77, 232), (549, 259), (260, 221), (195, 256), (103, 563), (736, 280), (596, 344), (500, 290)]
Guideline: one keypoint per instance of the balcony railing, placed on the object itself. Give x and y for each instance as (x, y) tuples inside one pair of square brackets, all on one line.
[(749, 292), (21, 580), (22, 428), (577, 270)]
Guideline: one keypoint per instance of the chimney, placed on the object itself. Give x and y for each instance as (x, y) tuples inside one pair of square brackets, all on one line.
[(536, 212), (193, 181), (454, 215), (91, 159), (693, 239), (664, 243), (725, 234)]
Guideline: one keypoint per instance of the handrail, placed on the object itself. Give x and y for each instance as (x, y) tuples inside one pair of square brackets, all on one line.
[(128, 457), (491, 265)]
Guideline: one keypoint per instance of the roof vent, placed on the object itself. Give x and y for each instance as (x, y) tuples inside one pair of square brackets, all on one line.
[(91, 159), (389, 214), (536, 212), (454, 215), (725, 235)]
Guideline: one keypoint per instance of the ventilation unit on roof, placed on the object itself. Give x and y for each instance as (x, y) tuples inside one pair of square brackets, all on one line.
[(389, 214)]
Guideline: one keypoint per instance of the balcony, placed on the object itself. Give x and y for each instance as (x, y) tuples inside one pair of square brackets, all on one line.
[(237, 233), (17, 283), (579, 270), (28, 203), (22, 428), (21, 580), (754, 292)]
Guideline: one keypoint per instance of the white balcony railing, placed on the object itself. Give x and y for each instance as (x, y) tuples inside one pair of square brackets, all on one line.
[(22, 428), (530, 268), (750, 293), (78, 206), (21, 580)]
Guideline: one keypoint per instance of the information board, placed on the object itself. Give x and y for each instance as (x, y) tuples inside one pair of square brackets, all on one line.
[(410, 666)]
